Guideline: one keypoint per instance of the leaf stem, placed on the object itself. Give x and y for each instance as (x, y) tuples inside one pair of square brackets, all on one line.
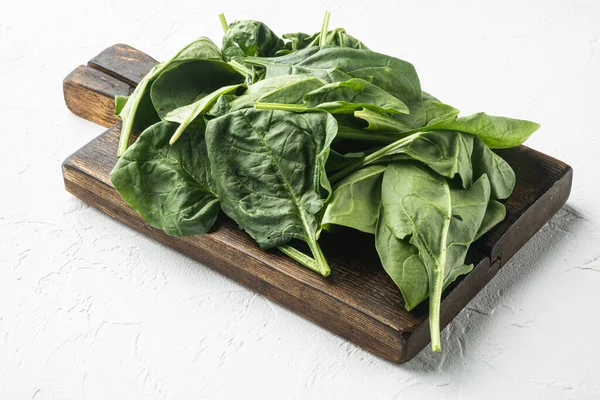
[(324, 29), (320, 259), (280, 106), (223, 22), (239, 68), (299, 256)]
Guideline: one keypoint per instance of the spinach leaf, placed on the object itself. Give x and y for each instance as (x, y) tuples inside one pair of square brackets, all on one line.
[(227, 104), (355, 200), (402, 263), (441, 221), (186, 115), (494, 214), (292, 92), (337, 98), (436, 112), (377, 121), (337, 37), (186, 83), (170, 186), (395, 76), (495, 132), (139, 104), (269, 170), (250, 38)]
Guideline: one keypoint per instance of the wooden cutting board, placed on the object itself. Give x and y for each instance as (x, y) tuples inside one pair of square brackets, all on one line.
[(358, 301)]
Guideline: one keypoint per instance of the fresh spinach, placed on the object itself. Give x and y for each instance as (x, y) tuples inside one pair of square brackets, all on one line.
[(263, 127)]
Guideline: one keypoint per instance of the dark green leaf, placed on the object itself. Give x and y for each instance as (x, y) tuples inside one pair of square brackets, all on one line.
[(250, 38), (170, 186), (138, 111), (186, 83), (269, 169)]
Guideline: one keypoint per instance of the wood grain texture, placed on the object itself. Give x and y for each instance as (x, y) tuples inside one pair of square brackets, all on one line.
[(358, 300), (90, 94)]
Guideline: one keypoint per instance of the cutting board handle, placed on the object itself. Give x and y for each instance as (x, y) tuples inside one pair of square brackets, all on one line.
[(90, 90)]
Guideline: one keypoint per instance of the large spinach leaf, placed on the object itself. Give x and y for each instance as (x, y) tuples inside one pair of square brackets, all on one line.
[(441, 221), (402, 263), (495, 132), (395, 76), (337, 98), (269, 170), (170, 186), (138, 105)]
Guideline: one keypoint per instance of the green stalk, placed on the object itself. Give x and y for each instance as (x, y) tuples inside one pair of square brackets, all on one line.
[(299, 256), (391, 148), (281, 106), (324, 29), (240, 69), (223, 23), (321, 261)]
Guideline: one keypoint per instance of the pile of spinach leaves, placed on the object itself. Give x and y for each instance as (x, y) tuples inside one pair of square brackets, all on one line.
[(290, 136)]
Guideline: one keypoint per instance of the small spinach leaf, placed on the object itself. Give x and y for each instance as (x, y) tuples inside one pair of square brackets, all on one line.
[(250, 38)]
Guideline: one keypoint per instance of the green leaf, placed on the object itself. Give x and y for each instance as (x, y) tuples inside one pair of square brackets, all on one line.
[(337, 98), (292, 92), (138, 111), (337, 37), (436, 112), (495, 132), (269, 169), (227, 104), (501, 176), (186, 115), (402, 263), (186, 83), (377, 121), (170, 186), (250, 38), (120, 102), (441, 221), (355, 200), (393, 75), (494, 214)]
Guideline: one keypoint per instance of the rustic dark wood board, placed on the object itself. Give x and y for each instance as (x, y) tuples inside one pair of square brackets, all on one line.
[(358, 300)]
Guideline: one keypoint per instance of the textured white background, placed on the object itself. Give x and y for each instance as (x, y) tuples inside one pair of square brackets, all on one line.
[(91, 309)]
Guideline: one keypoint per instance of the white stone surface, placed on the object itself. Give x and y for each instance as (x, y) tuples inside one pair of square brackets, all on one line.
[(91, 309)]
